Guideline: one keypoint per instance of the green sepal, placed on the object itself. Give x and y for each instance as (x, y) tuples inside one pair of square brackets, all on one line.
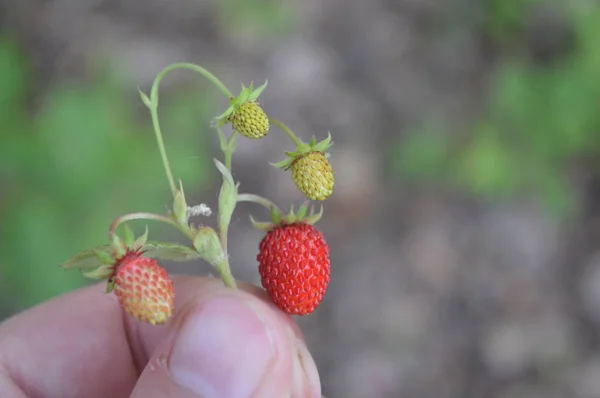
[(104, 257), (302, 210), (169, 251), (110, 286), (227, 196), (292, 217), (118, 246), (257, 92), (276, 216), (145, 98), (313, 217), (128, 235), (323, 145), (302, 149), (140, 241), (180, 206), (246, 94), (88, 259), (102, 272), (284, 164), (261, 226), (208, 246)]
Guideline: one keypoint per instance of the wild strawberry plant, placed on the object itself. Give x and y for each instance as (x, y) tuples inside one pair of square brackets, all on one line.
[(293, 256)]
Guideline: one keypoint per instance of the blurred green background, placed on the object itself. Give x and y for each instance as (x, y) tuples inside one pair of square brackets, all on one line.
[(86, 156)]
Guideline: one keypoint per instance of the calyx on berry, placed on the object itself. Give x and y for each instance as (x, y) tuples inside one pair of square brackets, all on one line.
[(278, 219), (246, 94), (302, 149)]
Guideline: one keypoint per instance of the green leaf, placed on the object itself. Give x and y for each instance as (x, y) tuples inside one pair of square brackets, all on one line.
[(208, 246), (170, 251)]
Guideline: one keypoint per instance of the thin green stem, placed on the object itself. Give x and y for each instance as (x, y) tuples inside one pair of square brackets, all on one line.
[(286, 130), (231, 144), (154, 110), (250, 197), (185, 65), (225, 273), (147, 216), (161, 148)]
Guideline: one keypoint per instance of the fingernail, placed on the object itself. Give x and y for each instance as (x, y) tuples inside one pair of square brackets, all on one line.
[(223, 350)]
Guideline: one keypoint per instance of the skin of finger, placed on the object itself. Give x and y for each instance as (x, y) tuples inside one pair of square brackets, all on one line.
[(81, 344), (194, 290), (277, 381)]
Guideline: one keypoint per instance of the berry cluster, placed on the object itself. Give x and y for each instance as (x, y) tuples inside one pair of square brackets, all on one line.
[(293, 255)]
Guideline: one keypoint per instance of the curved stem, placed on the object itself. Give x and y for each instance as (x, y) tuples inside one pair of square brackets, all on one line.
[(147, 216), (286, 130), (154, 110), (250, 197), (186, 65)]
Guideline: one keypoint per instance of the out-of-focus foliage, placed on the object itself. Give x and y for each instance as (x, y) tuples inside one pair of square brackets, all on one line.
[(539, 120), (260, 19), (85, 156)]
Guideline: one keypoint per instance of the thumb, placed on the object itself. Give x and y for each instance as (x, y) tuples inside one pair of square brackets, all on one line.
[(229, 344)]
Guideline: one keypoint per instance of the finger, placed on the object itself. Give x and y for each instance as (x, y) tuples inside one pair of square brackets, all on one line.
[(230, 344), (80, 344)]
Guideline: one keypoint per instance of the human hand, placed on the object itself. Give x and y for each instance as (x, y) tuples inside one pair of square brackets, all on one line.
[(221, 343)]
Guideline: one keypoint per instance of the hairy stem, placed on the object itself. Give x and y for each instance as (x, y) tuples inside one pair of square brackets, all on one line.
[(147, 216), (185, 65), (154, 110), (225, 273), (161, 148), (250, 197), (229, 150)]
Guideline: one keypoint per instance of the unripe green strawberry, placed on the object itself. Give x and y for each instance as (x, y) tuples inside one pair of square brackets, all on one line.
[(311, 171), (144, 289), (250, 120), (294, 267), (313, 175)]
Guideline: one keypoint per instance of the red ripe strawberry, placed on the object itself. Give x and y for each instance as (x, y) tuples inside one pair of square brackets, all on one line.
[(143, 288), (294, 267)]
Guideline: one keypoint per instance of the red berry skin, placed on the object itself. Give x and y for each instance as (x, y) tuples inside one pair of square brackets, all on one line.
[(294, 267), (144, 289)]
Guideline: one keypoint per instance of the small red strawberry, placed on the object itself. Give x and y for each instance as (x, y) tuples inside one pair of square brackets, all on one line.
[(143, 288), (294, 266)]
